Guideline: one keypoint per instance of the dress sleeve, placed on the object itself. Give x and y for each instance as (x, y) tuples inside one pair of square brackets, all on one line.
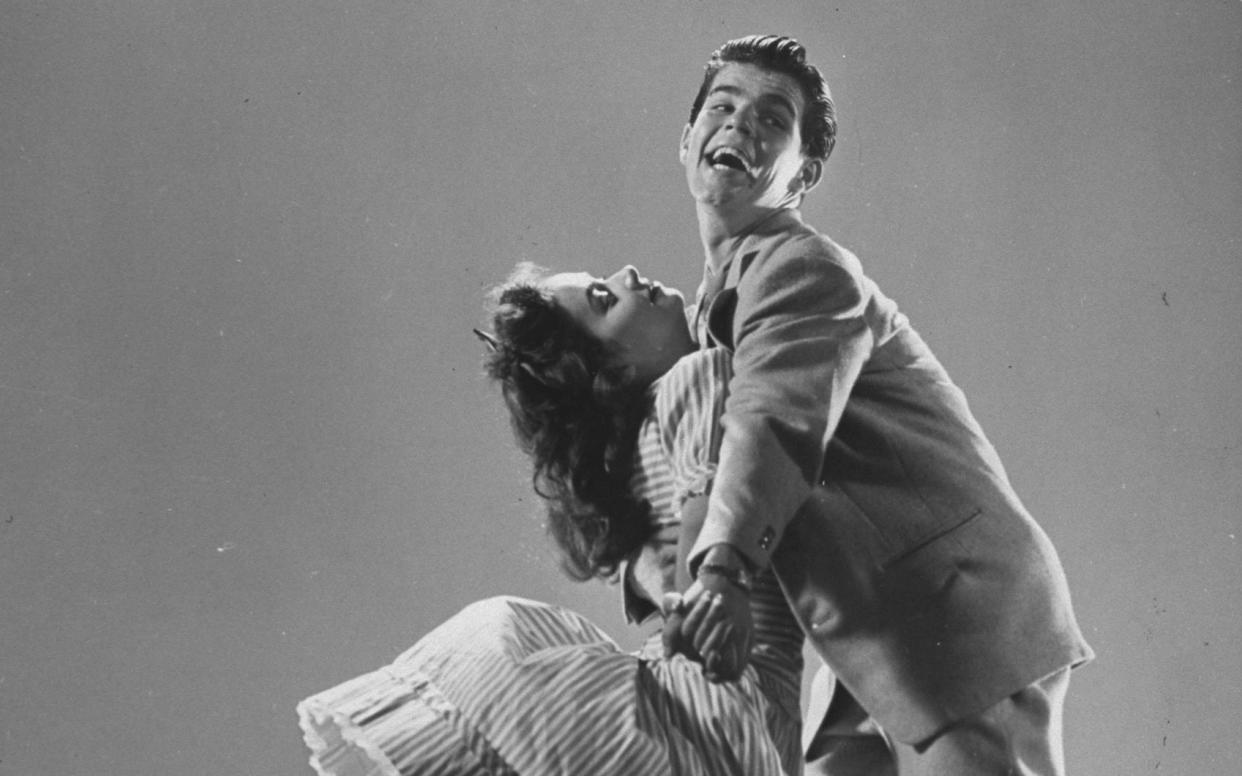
[(689, 403)]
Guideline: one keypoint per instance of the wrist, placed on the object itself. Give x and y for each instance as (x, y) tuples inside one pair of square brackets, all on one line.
[(724, 561), (726, 555), (738, 578)]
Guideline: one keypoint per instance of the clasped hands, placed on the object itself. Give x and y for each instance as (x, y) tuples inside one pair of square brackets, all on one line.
[(711, 623)]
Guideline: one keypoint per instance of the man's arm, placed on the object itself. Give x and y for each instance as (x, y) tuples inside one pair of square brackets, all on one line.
[(800, 340)]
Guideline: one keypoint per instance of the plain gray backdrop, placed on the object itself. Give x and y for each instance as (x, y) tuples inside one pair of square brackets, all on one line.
[(247, 448)]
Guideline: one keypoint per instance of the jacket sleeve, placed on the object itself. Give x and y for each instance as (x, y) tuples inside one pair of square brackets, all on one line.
[(800, 339)]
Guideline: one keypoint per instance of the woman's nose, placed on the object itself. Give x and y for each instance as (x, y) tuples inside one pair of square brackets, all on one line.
[(629, 276)]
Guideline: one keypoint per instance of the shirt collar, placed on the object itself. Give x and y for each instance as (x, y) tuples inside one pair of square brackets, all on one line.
[(782, 220)]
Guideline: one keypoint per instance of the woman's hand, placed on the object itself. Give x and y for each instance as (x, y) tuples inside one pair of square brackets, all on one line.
[(711, 624)]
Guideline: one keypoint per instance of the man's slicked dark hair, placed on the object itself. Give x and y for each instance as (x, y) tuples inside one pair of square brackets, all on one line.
[(781, 55)]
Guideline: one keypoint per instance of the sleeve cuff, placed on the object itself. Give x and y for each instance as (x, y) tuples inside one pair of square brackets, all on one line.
[(636, 608), (755, 544)]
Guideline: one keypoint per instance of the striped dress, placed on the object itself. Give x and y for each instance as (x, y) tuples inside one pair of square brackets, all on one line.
[(510, 686)]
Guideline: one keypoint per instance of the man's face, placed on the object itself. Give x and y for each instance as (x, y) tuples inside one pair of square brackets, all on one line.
[(744, 148), (643, 322)]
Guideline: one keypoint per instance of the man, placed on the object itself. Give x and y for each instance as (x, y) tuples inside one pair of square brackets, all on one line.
[(851, 463)]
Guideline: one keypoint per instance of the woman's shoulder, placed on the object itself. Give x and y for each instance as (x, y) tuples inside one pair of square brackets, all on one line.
[(689, 398), (713, 366)]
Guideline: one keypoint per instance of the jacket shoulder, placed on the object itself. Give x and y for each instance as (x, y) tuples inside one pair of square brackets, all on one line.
[(807, 244), (803, 261)]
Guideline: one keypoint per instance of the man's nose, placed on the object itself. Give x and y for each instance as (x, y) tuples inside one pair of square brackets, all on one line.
[(742, 120)]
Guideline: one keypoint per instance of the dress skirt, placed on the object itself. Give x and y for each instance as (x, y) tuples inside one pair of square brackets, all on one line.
[(515, 687)]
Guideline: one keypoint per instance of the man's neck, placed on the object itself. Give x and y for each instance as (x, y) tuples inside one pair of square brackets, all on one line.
[(719, 229)]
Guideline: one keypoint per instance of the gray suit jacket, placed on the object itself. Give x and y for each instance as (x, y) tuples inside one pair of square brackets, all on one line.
[(852, 464)]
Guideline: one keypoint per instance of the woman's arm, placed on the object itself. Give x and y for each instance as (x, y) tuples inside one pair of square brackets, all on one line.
[(708, 631), (693, 510)]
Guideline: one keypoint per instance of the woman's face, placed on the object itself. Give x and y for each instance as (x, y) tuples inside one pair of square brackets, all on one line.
[(643, 322)]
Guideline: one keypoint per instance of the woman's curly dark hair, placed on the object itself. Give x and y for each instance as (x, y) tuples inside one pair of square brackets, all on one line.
[(576, 413)]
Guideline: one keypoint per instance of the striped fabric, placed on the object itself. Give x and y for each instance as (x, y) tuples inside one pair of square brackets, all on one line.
[(512, 687)]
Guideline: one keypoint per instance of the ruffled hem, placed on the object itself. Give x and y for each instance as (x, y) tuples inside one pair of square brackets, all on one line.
[(510, 685), (383, 724), (338, 746)]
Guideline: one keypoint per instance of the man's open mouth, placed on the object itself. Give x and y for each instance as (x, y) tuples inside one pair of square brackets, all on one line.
[(728, 157)]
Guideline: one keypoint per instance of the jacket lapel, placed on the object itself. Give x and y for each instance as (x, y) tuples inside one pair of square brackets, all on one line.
[(717, 324)]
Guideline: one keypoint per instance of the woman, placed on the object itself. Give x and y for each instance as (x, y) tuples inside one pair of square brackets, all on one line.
[(620, 416)]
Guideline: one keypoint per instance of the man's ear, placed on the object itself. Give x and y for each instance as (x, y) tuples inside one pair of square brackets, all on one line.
[(684, 148), (810, 174)]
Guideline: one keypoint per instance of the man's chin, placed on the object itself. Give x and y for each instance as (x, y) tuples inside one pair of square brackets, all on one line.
[(720, 194)]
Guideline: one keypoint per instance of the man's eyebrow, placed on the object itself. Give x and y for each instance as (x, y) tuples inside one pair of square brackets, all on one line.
[(727, 88), (776, 97), (782, 101)]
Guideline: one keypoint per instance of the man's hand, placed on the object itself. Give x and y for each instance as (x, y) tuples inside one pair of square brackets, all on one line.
[(712, 623)]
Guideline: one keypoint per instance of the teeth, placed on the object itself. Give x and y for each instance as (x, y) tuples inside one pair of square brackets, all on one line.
[(729, 157)]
